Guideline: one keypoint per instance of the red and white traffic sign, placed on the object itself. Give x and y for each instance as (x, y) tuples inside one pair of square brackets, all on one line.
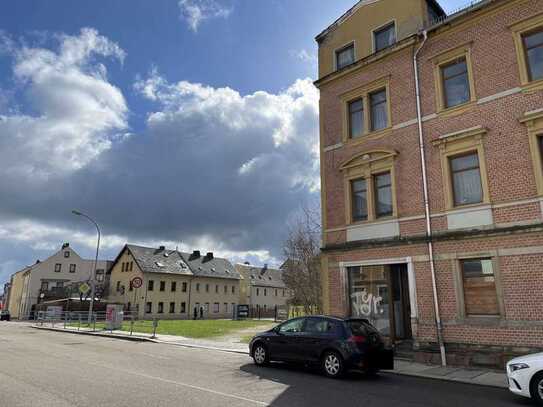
[(137, 282)]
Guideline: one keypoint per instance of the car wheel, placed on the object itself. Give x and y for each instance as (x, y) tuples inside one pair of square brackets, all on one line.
[(536, 388), (260, 355), (332, 364)]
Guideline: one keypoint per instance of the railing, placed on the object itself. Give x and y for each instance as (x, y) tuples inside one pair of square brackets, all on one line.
[(126, 323), (453, 13)]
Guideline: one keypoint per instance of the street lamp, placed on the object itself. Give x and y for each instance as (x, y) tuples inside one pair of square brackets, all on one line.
[(93, 277)]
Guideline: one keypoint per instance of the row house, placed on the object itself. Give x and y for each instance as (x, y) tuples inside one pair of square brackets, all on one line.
[(431, 143), (173, 285)]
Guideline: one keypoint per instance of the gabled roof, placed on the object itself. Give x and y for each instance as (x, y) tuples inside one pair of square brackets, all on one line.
[(157, 260), (261, 276), (433, 3), (205, 266)]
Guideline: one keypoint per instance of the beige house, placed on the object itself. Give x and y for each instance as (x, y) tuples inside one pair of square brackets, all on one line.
[(174, 285), (262, 288), (49, 278)]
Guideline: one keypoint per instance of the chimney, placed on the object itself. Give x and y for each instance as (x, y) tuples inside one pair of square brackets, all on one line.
[(247, 263), (161, 248), (195, 255), (65, 245), (209, 256)]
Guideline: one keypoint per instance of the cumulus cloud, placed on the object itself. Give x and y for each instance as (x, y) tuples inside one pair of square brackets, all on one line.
[(304, 56), (73, 111), (194, 12)]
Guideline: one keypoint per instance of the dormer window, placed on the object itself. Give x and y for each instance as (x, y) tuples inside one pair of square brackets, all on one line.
[(384, 37), (345, 56)]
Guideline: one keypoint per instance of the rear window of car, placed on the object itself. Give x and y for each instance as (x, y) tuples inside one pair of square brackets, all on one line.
[(360, 327)]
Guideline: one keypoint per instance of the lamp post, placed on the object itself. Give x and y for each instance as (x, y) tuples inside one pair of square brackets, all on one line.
[(93, 277)]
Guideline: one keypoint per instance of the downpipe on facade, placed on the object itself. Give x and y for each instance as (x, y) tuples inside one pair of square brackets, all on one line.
[(439, 326)]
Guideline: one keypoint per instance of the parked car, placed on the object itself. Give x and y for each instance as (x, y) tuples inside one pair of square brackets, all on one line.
[(5, 315), (334, 344), (525, 376)]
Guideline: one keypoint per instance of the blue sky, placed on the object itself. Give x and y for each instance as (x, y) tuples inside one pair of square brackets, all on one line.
[(185, 122)]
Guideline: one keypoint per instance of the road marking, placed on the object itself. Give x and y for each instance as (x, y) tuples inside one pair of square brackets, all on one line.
[(190, 386)]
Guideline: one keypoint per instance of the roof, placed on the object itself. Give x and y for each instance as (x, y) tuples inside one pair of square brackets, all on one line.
[(261, 276), (361, 3), (164, 261), (157, 260), (205, 266)]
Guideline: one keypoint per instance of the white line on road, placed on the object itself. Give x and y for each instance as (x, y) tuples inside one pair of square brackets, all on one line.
[(190, 386)]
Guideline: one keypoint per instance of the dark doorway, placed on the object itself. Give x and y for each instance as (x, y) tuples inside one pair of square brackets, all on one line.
[(400, 302)]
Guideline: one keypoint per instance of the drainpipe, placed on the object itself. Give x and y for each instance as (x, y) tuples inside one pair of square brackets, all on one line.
[(439, 326)]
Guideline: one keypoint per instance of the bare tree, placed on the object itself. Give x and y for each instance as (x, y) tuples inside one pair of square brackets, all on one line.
[(301, 270)]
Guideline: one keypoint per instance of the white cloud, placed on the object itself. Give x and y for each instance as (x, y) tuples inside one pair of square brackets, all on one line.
[(194, 12), (304, 56), (76, 110)]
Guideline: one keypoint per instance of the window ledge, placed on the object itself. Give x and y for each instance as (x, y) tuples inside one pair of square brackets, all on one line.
[(457, 110), (368, 136), (532, 86)]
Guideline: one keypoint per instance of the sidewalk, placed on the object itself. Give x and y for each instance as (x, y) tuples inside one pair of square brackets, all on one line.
[(402, 367)]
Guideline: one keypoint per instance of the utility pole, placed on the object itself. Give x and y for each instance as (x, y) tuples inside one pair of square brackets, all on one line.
[(93, 276)]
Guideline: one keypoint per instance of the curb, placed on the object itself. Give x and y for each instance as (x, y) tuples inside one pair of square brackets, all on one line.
[(246, 352)]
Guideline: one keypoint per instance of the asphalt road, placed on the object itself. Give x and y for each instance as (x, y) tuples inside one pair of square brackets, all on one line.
[(39, 368)]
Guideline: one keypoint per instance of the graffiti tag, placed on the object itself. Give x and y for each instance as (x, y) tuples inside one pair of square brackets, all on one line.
[(366, 304)]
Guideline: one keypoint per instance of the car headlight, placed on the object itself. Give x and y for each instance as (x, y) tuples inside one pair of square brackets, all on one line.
[(518, 366)]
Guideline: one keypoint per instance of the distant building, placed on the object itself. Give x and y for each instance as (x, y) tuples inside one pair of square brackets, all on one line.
[(174, 284), (49, 279), (262, 288)]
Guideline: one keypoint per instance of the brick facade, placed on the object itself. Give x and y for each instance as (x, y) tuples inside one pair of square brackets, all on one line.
[(513, 238)]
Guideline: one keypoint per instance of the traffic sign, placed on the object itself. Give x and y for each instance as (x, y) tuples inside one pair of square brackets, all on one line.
[(84, 288), (137, 282)]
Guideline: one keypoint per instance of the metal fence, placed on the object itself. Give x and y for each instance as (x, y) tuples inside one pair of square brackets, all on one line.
[(128, 322)]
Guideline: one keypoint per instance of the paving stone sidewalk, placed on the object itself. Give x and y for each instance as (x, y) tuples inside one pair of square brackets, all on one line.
[(480, 377)]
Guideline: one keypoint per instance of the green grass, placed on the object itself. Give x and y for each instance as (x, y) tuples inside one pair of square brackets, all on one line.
[(191, 329), (246, 338)]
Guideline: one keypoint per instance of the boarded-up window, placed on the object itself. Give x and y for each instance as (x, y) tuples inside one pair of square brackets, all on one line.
[(480, 295)]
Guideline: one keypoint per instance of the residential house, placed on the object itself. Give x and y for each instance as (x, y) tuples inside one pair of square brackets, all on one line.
[(173, 284), (48, 279), (262, 288), (432, 177)]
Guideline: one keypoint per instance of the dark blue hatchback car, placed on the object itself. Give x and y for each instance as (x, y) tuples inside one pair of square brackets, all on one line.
[(334, 344)]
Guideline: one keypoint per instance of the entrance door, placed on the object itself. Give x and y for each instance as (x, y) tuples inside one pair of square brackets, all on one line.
[(400, 303)]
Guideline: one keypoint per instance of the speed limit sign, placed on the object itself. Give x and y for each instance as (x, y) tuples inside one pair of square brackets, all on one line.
[(137, 282)]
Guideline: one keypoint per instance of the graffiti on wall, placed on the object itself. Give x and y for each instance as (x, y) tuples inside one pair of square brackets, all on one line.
[(366, 304)]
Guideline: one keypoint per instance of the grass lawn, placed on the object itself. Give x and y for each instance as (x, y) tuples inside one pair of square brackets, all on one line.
[(192, 329)]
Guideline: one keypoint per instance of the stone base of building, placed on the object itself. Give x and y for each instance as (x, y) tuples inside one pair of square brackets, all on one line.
[(468, 355)]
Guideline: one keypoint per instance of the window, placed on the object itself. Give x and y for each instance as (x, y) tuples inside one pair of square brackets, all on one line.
[(226, 289), (100, 275), (60, 284), (258, 291), (233, 289), (265, 292), (533, 48), (72, 268), (466, 179), (276, 292), (162, 286), (378, 104), (150, 285), (183, 307), (283, 293), (456, 88), (131, 265), (160, 307), (44, 286), (319, 326), (173, 286), (118, 286), (148, 307), (207, 288), (225, 307), (130, 287), (66, 254), (383, 195), (184, 287), (384, 37), (217, 289), (356, 118), (172, 307), (359, 200), (197, 287), (291, 327), (123, 267), (216, 307), (206, 307), (345, 56), (480, 296), (58, 267)]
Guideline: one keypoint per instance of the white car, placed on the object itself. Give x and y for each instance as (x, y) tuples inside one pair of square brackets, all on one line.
[(525, 375)]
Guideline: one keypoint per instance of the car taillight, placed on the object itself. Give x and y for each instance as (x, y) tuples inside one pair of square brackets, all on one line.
[(357, 339)]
